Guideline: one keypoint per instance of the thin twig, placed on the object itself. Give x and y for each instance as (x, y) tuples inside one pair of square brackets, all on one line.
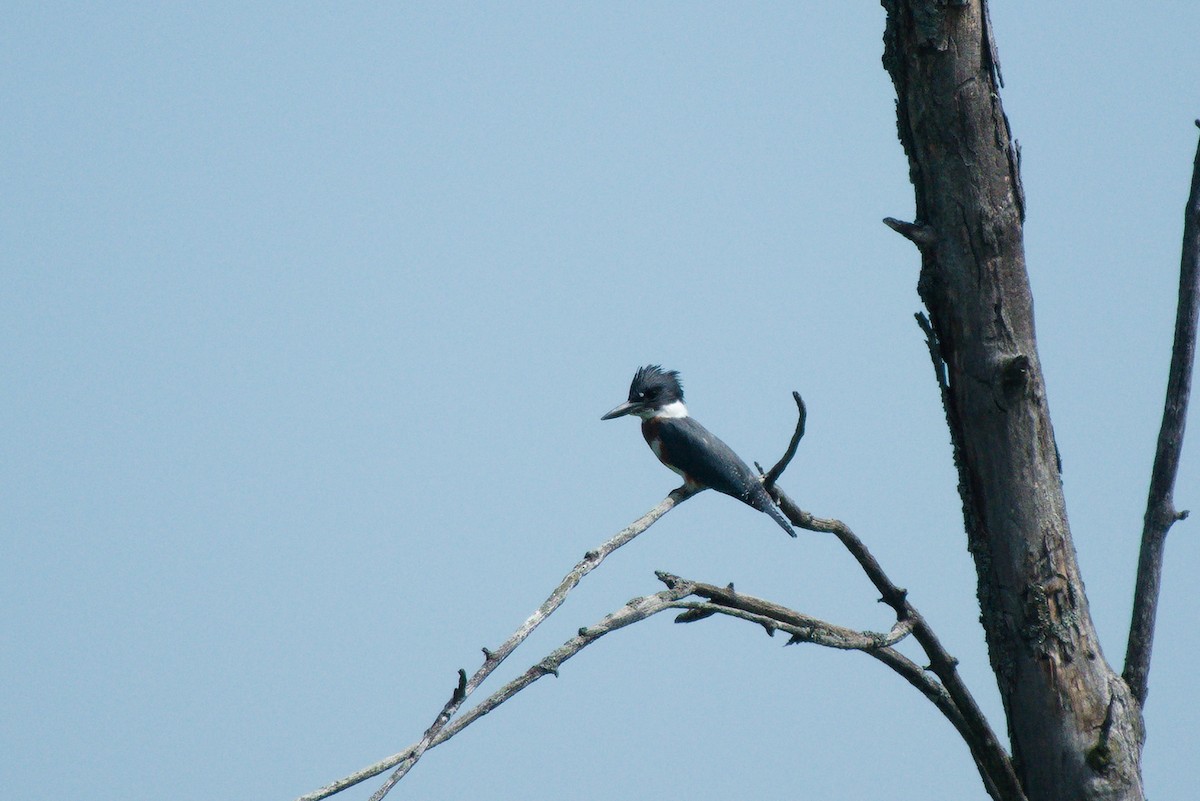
[(1160, 507), (775, 472), (772, 617), (816, 632), (404, 761)]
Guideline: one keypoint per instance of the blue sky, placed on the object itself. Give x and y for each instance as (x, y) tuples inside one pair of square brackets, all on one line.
[(310, 313)]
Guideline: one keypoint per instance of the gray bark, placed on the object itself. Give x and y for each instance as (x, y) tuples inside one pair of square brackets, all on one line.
[(1075, 730)]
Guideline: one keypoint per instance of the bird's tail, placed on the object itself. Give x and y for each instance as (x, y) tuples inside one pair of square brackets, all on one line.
[(778, 516), (764, 503)]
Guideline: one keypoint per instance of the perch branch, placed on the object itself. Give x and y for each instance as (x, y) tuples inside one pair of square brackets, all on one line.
[(948, 693), (404, 761), (1160, 507)]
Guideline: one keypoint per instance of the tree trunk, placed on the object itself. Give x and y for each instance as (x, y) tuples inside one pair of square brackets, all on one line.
[(1076, 733)]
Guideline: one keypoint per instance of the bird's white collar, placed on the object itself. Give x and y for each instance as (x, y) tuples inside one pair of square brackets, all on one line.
[(674, 409)]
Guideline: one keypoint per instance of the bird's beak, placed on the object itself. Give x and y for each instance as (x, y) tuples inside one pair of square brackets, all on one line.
[(628, 407)]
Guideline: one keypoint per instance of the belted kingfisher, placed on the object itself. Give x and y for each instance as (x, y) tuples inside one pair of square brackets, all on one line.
[(687, 447)]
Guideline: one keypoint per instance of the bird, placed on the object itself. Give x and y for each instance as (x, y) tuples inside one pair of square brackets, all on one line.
[(688, 448)]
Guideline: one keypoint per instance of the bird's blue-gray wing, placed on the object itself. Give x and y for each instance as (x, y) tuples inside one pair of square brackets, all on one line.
[(704, 459)]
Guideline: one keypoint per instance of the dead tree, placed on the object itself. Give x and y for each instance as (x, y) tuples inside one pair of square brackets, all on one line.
[(1074, 724)]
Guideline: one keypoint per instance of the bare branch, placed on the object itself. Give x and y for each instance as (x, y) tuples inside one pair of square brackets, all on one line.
[(775, 472), (1160, 506), (723, 601), (803, 628), (872, 643), (817, 632), (404, 761), (772, 617)]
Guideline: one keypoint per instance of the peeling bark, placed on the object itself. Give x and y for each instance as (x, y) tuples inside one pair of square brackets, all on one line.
[(1075, 730)]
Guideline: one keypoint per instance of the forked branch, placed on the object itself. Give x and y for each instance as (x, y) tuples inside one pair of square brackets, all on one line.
[(772, 617), (405, 760), (1160, 506)]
